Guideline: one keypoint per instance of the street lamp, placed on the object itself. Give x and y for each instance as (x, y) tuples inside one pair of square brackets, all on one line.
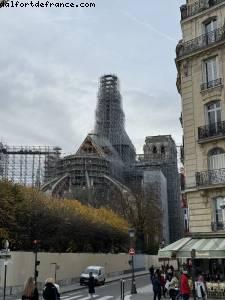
[(162, 244), (193, 256), (36, 262), (133, 284), (5, 246)]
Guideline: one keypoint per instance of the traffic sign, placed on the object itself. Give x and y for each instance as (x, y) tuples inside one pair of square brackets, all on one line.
[(5, 255), (132, 251)]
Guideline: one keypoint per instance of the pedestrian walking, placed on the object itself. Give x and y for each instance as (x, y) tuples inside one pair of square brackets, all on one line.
[(163, 282), (30, 291), (91, 285), (156, 286), (200, 288), (50, 291), (184, 286), (151, 271), (173, 287)]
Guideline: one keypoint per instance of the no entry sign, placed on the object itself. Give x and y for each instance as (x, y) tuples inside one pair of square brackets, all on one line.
[(132, 251)]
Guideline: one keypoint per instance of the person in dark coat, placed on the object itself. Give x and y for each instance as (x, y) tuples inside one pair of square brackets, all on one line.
[(156, 286), (30, 291), (151, 271), (91, 285), (50, 291)]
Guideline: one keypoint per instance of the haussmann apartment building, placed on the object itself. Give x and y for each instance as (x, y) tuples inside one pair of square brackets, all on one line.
[(200, 60)]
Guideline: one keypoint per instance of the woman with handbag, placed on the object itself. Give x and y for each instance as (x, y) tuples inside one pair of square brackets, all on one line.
[(200, 288)]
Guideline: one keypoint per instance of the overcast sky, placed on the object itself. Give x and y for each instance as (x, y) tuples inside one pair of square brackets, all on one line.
[(51, 60)]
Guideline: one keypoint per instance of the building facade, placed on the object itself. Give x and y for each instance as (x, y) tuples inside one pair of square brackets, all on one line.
[(155, 182), (160, 152), (201, 71)]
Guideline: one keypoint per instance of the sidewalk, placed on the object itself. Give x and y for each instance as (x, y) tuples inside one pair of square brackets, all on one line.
[(146, 293), (74, 287)]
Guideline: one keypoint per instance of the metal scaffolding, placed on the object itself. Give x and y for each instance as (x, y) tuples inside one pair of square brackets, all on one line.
[(28, 165), (110, 118)]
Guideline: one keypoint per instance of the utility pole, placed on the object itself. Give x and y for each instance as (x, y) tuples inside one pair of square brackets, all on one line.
[(5, 256), (193, 255), (36, 262), (132, 253)]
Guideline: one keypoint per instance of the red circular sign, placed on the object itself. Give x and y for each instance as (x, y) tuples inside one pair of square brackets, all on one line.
[(132, 251)]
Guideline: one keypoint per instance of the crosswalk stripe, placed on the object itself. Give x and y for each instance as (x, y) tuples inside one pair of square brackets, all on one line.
[(105, 298), (74, 297), (97, 297), (68, 295)]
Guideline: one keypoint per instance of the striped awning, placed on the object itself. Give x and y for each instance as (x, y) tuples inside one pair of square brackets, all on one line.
[(204, 248)]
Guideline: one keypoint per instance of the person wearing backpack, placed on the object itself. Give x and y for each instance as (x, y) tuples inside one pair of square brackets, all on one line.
[(200, 289), (30, 291), (50, 291)]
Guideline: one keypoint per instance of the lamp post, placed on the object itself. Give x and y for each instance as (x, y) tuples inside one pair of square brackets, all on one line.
[(36, 262), (162, 244), (193, 255), (133, 284), (5, 246)]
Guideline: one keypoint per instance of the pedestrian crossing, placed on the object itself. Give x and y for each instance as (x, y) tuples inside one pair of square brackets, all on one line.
[(83, 295)]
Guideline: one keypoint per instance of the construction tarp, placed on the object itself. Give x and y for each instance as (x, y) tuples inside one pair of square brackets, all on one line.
[(208, 248)]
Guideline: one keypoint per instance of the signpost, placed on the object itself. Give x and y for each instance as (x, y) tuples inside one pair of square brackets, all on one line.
[(133, 287)]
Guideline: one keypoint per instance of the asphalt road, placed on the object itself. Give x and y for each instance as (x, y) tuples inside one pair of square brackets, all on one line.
[(106, 292)]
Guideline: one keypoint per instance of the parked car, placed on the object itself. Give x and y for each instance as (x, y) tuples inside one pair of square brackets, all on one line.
[(97, 271)]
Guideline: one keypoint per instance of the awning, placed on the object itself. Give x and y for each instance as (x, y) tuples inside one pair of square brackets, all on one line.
[(204, 248)]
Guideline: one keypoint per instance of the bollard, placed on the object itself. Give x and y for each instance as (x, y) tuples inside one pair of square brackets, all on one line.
[(122, 289)]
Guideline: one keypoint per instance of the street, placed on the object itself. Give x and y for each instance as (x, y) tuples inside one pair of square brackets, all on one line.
[(106, 292)]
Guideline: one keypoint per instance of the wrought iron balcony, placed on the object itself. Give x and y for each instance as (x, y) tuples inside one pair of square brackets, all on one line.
[(201, 42), (197, 7), (210, 177), (211, 131), (216, 226), (211, 84)]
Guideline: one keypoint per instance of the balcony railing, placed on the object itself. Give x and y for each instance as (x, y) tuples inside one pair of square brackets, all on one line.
[(216, 226), (211, 84), (197, 7), (211, 131), (202, 41), (210, 177)]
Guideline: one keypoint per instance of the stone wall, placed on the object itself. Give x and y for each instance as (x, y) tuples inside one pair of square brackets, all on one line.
[(71, 265)]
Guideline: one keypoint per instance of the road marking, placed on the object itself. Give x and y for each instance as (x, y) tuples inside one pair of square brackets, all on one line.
[(68, 295), (74, 297), (105, 298)]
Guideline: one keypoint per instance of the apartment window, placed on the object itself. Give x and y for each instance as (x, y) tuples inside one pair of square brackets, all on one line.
[(213, 113), (210, 25), (219, 213), (210, 71), (210, 32), (216, 161)]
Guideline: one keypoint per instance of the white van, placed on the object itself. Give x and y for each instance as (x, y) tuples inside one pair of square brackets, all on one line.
[(98, 273)]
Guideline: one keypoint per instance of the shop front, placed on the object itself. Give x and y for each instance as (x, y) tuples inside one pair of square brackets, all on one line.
[(200, 256)]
